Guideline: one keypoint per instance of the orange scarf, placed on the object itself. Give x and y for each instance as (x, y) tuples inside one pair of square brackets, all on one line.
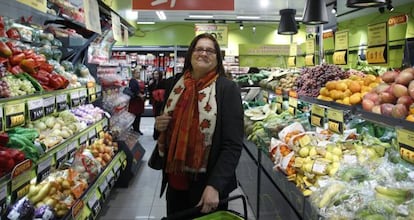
[(186, 148)]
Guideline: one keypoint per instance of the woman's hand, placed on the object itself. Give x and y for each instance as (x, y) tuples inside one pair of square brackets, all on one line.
[(162, 121), (209, 199)]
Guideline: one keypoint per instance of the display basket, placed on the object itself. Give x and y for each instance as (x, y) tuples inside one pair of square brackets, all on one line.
[(217, 215)]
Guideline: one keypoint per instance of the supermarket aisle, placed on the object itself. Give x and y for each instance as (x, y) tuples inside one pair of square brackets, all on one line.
[(141, 199)]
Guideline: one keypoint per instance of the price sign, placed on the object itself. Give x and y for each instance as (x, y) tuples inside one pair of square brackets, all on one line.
[(310, 46), (341, 40), (92, 135), (98, 91), (1, 118), (279, 101), (35, 107), (110, 178), (99, 127), (340, 58), (83, 96), (14, 115), (83, 140), (3, 196), (293, 102), (104, 189), (105, 124), (49, 105), (317, 115), (72, 147), (77, 209), (406, 142), (377, 55), (335, 121), (62, 102), (60, 156), (74, 99), (117, 169), (291, 61), (92, 94), (310, 60), (20, 182), (93, 203), (43, 169)]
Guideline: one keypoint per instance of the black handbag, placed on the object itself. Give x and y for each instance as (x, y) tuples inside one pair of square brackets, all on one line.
[(128, 91), (155, 161)]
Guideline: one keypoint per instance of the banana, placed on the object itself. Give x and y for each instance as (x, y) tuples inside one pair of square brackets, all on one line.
[(393, 191), (396, 199)]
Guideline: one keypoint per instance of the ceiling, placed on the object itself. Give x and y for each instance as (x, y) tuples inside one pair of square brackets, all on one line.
[(269, 12)]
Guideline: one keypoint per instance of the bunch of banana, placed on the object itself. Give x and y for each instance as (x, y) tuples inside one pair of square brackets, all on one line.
[(302, 182), (396, 195)]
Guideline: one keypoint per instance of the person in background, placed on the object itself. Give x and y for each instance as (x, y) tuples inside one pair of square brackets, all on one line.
[(156, 90), (201, 131), (136, 104)]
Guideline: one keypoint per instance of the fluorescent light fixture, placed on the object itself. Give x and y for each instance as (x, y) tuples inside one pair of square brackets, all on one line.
[(264, 3), (248, 17), (161, 15), (200, 16), (131, 15), (145, 22)]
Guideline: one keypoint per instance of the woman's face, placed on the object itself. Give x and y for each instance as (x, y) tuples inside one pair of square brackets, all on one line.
[(156, 75), (203, 59)]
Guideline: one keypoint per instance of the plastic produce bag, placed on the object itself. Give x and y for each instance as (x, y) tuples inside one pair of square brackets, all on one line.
[(86, 165), (21, 210)]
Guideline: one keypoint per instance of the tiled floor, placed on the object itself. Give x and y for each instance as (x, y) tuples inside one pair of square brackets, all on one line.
[(141, 199)]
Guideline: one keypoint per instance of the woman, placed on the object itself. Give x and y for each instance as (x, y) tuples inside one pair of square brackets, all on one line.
[(156, 91), (201, 131), (136, 104)]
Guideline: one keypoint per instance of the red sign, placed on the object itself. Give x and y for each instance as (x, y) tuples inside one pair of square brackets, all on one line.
[(224, 5), (400, 19)]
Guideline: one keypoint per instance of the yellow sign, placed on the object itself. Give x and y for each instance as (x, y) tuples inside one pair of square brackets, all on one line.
[(337, 115), (318, 110), (317, 115), (291, 61), (219, 31), (316, 120), (340, 58), (293, 105), (376, 55), (92, 18), (341, 40), (310, 46), (335, 120), (14, 114), (406, 141), (309, 60), (40, 5), (377, 34), (293, 50)]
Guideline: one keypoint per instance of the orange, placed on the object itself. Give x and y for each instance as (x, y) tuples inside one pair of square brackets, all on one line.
[(354, 87), (341, 86), (330, 85), (355, 98), (410, 117)]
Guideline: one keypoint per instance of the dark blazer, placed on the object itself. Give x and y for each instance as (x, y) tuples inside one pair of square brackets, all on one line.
[(227, 139)]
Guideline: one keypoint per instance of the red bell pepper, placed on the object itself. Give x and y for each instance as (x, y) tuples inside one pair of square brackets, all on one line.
[(46, 67), (15, 69), (13, 33), (57, 81), (14, 47), (16, 59), (4, 139), (6, 162), (29, 65), (40, 58), (42, 76), (5, 50), (29, 53)]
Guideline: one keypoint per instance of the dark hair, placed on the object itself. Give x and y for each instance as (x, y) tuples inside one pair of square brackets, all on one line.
[(160, 74), (187, 62)]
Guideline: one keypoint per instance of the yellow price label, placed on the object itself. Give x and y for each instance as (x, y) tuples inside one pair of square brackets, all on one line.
[(406, 142), (15, 120), (309, 60), (336, 127), (316, 120), (318, 110), (279, 108), (23, 191), (292, 61), (293, 102), (335, 115), (292, 110), (339, 58), (279, 99), (376, 55)]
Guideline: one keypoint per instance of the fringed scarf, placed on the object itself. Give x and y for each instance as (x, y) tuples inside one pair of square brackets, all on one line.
[(192, 104)]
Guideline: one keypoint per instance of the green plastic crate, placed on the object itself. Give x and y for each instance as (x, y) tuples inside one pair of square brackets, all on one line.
[(220, 215)]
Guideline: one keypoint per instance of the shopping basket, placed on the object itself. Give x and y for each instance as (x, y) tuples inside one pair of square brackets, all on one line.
[(217, 215)]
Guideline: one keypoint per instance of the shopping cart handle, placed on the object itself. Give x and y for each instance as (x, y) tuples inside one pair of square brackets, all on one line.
[(197, 209)]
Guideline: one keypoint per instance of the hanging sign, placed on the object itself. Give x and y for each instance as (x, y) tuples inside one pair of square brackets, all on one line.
[(310, 60), (377, 34), (317, 116), (92, 18), (310, 46), (116, 27), (35, 108), (40, 5), (406, 142), (335, 120), (293, 50), (291, 61), (293, 102), (340, 57), (328, 41), (62, 102), (219, 31), (215, 5), (49, 105), (14, 114), (397, 27), (341, 40)]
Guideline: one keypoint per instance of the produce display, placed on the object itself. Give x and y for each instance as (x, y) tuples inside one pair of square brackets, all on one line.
[(250, 79), (284, 80)]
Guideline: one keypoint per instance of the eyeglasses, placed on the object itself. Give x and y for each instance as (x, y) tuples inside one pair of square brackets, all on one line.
[(209, 51)]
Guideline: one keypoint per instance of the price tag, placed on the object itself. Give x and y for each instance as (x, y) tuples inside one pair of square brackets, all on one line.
[(74, 99), (406, 142), (104, 189), (291, 61), (1, 118), (72, 147), (35, 107), (94, 204), (92, 94), (335, 121), (83, 94), (62, 102), (110, 178), (43, 169), (77, 209), (99, 127), (98, 91), (20, 182), (92, 135), (3, 196), (61, 156), (15, 115), (83, 140), (310, 60), (376, 55), (49, 105), (293, 105), (340, 58), (105, 124), (317, 115)]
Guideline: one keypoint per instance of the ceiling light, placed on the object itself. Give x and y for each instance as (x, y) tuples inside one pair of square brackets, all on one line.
[(161, 15), (315, 12), (389, 6), (254, 29), (287, 25), (241, 26), (364, 3), (145, 22), (333, 11), (248, 17), (264, 3), (200, 16)]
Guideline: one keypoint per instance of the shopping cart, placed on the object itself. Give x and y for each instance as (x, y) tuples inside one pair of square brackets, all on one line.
[(217, 215)]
